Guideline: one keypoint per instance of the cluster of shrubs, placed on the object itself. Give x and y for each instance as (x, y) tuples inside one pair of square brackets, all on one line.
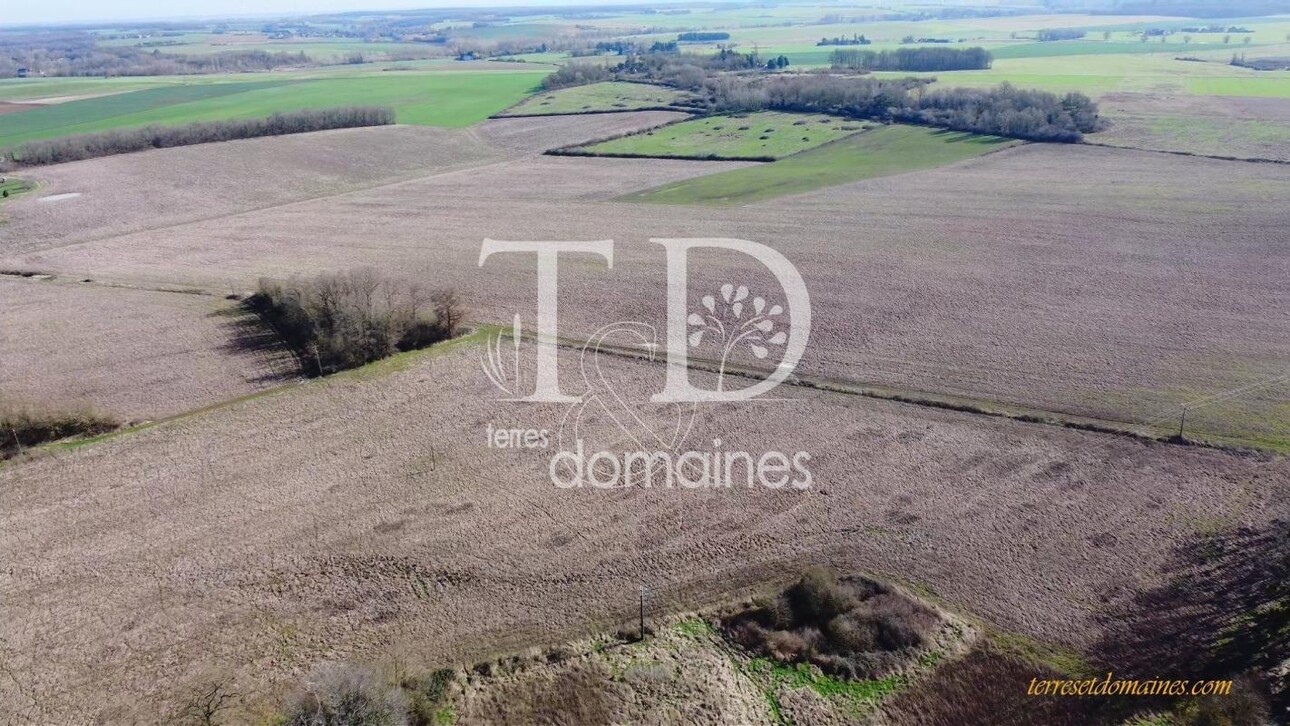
[(22, 427), (1049, 35), (334, 322), (1261, 64), (1007, 111), (913, 59), (334, 694), (842, 40), (107, 143), (854, 628), (577, 74)]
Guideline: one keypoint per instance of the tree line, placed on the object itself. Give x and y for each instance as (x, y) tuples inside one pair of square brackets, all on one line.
[(1048, 35), (913, 59), (124, 141), (338, 321), (77, 54), (726, 83), (1002, 111), (702, 37)]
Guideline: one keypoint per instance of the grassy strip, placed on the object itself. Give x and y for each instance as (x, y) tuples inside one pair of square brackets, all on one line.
[(11, 188), (1238, 446), (627, 155), (768, 135), (881, 152), (607, 97), (591, 112), (853, 697)]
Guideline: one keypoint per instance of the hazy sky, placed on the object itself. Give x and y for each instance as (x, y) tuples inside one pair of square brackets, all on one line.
[(75, 11)]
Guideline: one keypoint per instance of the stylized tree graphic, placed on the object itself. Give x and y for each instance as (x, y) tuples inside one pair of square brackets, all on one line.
[(504, 374), (727, 325)]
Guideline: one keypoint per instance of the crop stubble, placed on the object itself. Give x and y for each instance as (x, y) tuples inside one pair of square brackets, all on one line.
[(1097, 282), (366, 518)]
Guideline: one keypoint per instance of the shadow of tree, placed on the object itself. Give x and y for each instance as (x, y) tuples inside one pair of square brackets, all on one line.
[(1223, 611), (248, 335)]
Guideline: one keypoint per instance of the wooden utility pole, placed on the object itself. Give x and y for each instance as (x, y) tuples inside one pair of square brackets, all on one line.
[(1182, 422), (644, 596)]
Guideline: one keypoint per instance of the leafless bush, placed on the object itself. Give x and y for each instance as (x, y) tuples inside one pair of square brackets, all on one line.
[(23, 426), (208, 705), (340, 321), (856, 628), (341, 695), (577, 74), (108, 143)]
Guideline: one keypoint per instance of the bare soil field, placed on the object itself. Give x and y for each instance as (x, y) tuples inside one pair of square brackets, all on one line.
[(535, 135), (156, 189), (1088, 281), (1212, 125), (139, 191), (550, 178), (14, 107), (134, 354), (365, 518)]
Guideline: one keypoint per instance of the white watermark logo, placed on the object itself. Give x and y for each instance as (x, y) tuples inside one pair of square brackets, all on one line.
[(650, 438)]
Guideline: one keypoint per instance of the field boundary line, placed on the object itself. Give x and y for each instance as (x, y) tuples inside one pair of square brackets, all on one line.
[(505, 159), (1216, 157), (477, 333), (502, 115), (924, 399)]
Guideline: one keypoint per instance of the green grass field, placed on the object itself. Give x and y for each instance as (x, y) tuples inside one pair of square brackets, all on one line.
[(429, 99), (1144, 73), (750, 136), (323, 50), (881, 152), (1099, 47), (610, 96)]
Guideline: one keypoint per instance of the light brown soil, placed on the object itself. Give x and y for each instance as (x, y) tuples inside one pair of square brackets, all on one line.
[(158, 189), (535, 135), (364, 518), (134, 354), (155, 189), (14, 107), (1089, 281)]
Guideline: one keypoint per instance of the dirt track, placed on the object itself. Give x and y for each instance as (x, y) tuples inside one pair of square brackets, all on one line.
[(366, 519)]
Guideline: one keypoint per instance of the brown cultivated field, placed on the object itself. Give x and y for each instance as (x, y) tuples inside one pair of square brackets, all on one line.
[(1256, 128), (1096, 282), (155, 189), (133, 354), (158, 189), (364, 518)]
